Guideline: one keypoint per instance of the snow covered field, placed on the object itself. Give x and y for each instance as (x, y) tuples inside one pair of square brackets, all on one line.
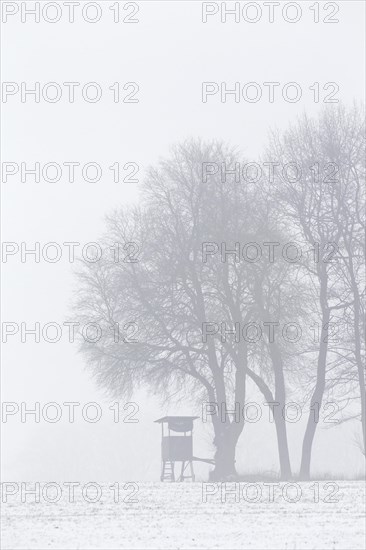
[(177, 516)]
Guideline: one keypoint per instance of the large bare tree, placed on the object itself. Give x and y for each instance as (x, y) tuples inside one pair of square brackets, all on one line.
[(183, 293)]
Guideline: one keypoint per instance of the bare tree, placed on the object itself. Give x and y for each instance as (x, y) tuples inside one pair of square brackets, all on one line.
[(316, 199), (170, 294), (350, 364)]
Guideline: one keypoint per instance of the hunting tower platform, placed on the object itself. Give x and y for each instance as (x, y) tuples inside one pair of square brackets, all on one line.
[(176, 448)]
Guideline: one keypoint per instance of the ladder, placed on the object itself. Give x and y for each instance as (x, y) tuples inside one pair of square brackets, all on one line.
[(167, 471)]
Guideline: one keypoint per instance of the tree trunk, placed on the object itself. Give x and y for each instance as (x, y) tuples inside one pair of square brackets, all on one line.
[(278, 411), (358, 354), (280, 393), (282, 444), (225, 443), (308, 440), (317, 397), (361, 376), (227, 432)]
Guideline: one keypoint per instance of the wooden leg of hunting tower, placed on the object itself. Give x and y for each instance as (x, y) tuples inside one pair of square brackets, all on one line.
[(182, 471), (185, 464), (192, 472)]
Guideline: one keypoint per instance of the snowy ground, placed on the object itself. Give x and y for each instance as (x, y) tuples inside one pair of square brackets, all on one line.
[(176, 516)]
